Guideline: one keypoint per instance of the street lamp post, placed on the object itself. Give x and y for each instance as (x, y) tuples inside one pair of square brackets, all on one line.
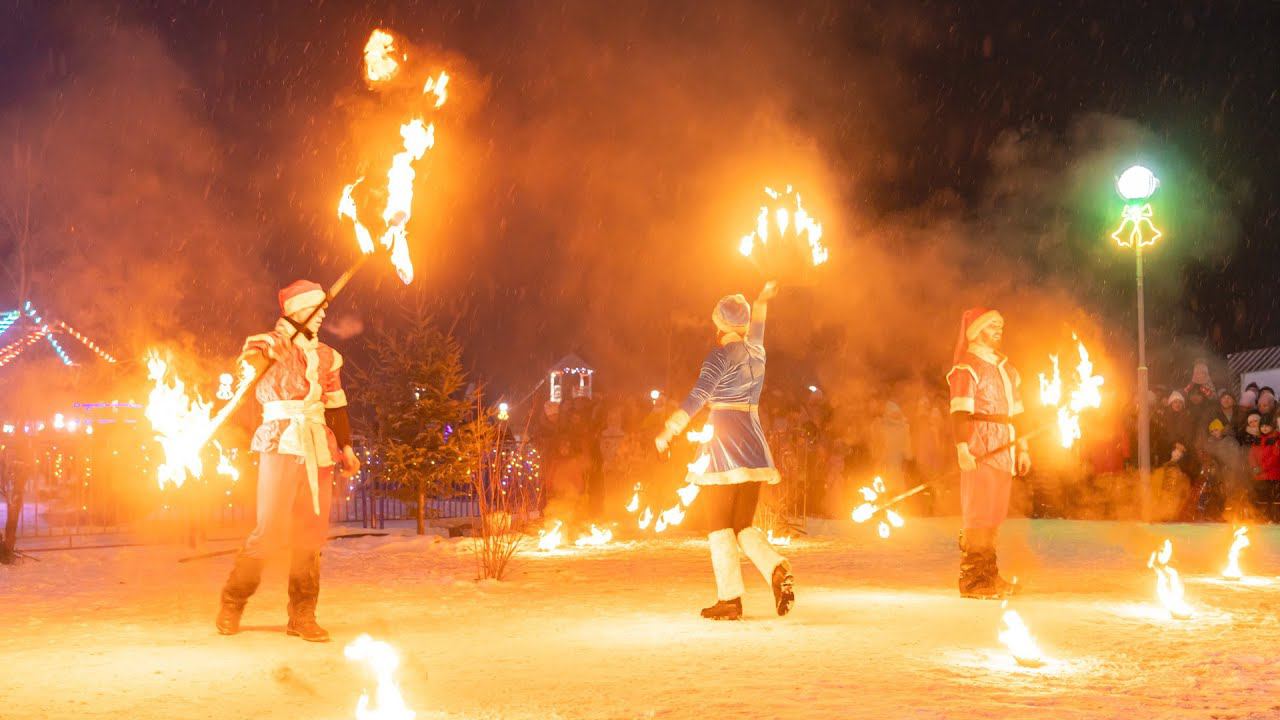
[(1136, 185)]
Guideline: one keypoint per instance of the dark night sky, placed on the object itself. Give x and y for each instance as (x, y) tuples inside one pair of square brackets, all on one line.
[(581, 124)]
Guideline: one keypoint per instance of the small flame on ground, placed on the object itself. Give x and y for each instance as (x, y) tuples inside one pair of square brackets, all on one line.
[(779, 540), (646, 517), (1168, 585), (634, 505), (550, 539), (1018, 639), (382, 659), (597, 537), (1232, 571)]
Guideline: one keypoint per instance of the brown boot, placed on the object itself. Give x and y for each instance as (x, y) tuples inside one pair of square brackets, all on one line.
[(304, 592), (241, 583), (977, 566)]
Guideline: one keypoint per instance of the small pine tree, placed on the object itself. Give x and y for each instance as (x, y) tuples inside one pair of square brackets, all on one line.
[(414, 388)]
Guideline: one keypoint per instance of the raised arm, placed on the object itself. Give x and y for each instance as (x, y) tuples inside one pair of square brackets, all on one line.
[(759, 309)]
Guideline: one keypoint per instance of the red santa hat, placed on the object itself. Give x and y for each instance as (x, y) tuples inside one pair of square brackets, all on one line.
[(300, 296), (972, 322)]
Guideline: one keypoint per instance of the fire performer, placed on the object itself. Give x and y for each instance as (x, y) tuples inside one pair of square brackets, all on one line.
[(731, 380), (985, 405), (304, 432)]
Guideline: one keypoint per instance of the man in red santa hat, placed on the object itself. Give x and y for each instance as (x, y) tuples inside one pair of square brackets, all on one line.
[(305, 431), (985, 402)]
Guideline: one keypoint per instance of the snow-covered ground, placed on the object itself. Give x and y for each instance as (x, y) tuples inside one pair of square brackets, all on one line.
[(613, 632)]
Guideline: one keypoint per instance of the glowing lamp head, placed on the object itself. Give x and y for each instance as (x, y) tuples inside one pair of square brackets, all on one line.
[(654, 395), (504, 411), (1137, 183)]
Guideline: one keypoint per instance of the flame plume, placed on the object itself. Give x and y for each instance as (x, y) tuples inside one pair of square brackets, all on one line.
[(388, 703), (792, 225), (417, 137), (1018, 639), (1086, 394), (1168, 585), (597, 537), (551, 539), (183, 424), (1232, 571)]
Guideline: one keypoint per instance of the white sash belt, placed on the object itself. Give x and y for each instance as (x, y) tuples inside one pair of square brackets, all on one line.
[(305, 436)]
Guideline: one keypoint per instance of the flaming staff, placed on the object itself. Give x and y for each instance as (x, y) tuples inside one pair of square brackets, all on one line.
[(183, 428), (1084, 395)]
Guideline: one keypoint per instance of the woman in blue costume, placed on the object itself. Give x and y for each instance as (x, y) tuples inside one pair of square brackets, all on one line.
[(730, 383)]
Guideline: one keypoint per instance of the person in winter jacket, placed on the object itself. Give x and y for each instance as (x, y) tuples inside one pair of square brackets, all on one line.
[(1264, 459)]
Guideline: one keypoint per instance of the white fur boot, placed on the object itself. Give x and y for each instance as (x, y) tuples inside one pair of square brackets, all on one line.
[(727, 564), (775, 568)]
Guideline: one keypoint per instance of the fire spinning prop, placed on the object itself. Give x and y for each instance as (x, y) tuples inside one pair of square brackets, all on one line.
[(1232, 570), (786, 235), (1168, 585), (184, 424), (387, 702), (183, 428), (675, 514), (1022, 646), (1085, 394)]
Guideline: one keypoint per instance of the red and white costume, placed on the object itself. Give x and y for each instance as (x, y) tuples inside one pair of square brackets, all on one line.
[(986, 392)]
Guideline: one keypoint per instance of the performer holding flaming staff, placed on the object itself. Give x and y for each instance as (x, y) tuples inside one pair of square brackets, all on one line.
[(985, 405), (731, 380), (304, 432)]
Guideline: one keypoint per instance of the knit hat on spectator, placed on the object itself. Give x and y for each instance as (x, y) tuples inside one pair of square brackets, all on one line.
[(1217, 425), (1249, 398), (1175, 395)]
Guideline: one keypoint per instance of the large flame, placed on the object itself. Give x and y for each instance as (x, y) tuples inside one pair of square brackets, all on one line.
[(1086, 394), (1232, 570), (416, 138), (1168, 585), (598, 536), (183, 424), (1018, 639), (551, 539), (792, 224), (387, 702)]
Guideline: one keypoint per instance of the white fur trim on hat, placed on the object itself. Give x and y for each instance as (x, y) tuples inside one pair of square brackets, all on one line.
[(303, 301), (1175, 395), (732, 314), (981, 322)]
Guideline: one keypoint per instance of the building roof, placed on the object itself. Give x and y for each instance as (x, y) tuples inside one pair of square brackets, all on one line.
[(571, 362), (1251, 360)]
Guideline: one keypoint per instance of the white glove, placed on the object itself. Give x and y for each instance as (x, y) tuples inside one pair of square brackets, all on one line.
[(1024, 462), (663, 443), (966, 459)]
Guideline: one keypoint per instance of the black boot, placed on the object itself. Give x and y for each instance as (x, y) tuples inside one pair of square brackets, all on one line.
[(975, 582), (1002, 586), (724, 610), (241, 583), (304, 592), (784, 594)]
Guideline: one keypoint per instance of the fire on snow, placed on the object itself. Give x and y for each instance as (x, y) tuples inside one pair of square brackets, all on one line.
[(1168, 585), (1232, 571), (387, 702), (416, 138), (1018, 639), (183, 424)]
